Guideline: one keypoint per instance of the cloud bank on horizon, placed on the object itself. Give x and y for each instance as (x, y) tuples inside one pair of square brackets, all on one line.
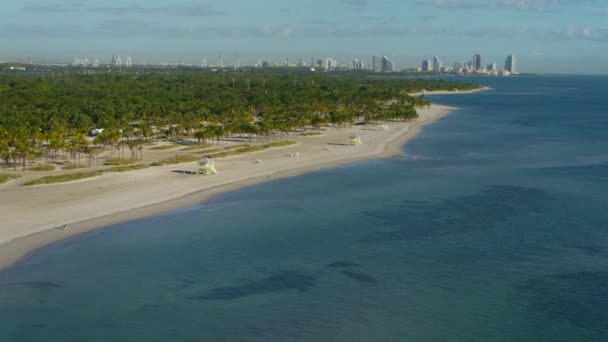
[(547, 35)]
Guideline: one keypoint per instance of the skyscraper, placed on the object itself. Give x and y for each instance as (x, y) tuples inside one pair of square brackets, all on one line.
[(330, 64), (204, 63), (377, 63), (385, 63), (437, 64), (511, 64), (477, 62), (427, 66), (357, 64), (129, 62)]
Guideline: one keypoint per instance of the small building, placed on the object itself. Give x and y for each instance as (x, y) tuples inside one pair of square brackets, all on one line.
[(207, 167), (95, 132)]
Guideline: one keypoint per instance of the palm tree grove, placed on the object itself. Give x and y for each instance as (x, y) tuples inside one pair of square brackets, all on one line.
[(74, 114)]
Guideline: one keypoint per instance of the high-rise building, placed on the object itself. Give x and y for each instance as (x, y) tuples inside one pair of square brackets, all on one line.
[(427, 66), (204, 63), (220, 62), (330, 64), (477, 62), (511, 64), (377, 63), (118, 62), (437, 64), (387, 64), (357, 65), (113, 62), (492, 67), (129, 62)]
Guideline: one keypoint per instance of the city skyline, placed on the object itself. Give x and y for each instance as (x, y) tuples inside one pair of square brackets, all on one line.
[(545, 35), (376, 64)]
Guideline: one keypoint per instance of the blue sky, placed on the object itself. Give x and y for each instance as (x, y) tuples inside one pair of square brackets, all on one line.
[(545, 35)]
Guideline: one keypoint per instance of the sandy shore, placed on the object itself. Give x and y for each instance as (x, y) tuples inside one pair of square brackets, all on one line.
[(448, 92), (31, 215)]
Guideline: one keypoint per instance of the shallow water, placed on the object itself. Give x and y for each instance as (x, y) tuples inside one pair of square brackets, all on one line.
[(493, 228)]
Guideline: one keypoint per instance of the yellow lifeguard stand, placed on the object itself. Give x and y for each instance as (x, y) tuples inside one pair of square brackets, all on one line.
[(383, 127), (207, 167), (355, 140)]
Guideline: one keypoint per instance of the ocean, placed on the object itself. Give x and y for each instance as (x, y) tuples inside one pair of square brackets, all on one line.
[(492, 226)]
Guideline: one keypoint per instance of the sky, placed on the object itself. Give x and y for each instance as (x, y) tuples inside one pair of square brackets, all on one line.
[(547, 36)]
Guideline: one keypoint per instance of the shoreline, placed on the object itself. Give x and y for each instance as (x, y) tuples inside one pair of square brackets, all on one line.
[(450, 92), (18, 247)]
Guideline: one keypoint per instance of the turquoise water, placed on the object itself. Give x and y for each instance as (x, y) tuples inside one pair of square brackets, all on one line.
[(492, 227)]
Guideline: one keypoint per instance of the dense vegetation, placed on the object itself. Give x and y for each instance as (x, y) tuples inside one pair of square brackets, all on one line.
[(49, 115)]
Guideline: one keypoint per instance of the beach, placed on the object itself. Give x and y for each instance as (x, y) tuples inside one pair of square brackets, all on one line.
[(33, 216)]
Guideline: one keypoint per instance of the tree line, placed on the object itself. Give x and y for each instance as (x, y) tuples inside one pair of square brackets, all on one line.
[(49, 114)]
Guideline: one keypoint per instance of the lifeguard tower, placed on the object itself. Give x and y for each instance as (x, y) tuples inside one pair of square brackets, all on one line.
[(383, 127), (355, 140), (207, 167)]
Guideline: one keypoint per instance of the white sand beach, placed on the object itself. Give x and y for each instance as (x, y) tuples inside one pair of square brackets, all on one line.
[(31, 216)]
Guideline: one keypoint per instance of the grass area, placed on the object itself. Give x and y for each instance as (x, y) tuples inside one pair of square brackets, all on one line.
[(5, 177), (212, 150), (310, 134), (236, 146), (165, 147), (195, 148), (207, 149), (176, 160), (62, 178), (73, 167), (119, 161), (280, 144), (249, 149), (238, 151), (76, 176), (41, 167), (126, 168)]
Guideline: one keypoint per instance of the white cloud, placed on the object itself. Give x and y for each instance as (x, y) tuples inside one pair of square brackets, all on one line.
[(574, 33), (514, 5), (179, 10), (356, 3)]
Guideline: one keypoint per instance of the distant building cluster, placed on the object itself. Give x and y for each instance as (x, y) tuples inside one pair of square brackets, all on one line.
[(117, 62), (474, 66), (85, 62), (379, 64)]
